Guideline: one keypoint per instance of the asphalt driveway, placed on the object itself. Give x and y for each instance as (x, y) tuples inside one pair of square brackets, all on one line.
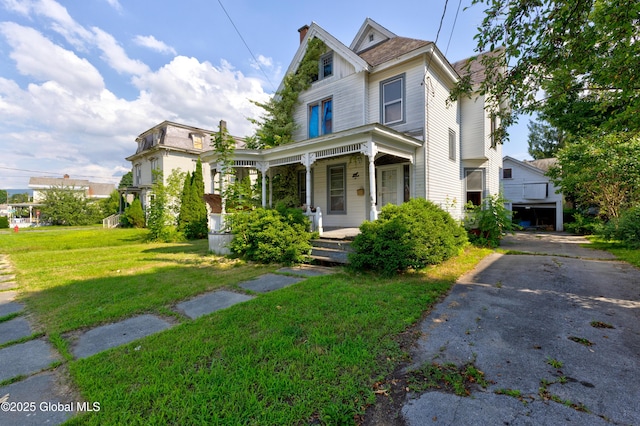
[(560, 327)]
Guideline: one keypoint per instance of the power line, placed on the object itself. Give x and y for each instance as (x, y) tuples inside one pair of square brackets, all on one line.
[(246, 45), (56, 174), (453, 28)]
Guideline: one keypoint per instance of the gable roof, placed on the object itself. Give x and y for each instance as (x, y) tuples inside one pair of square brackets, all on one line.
[(537, 166), (370, 27), (390, 49), (332, 43), (473, 66)]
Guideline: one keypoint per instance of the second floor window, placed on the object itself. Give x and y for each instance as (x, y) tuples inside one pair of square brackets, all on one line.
[(320, 118), (154, 167), (138, 174), (392, 100)]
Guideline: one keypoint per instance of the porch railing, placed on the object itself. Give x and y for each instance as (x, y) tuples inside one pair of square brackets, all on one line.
[(111, 222)]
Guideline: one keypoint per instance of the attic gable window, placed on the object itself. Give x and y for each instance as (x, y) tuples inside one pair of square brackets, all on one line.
[(392, 100), (325, 67)]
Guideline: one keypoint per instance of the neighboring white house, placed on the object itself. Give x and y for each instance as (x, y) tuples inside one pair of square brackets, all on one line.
[(531, 194), (376, 127), (165, 147), (91, 190)]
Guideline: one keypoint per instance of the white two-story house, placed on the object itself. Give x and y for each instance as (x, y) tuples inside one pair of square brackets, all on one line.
[(164, 148), (376, 127), (535, 200)]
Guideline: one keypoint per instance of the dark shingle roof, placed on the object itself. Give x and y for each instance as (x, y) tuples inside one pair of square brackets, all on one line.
[(477, 69), (390, 49)]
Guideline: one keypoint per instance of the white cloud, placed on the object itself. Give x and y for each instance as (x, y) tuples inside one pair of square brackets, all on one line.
[(115, 4), (202, 94), (152, 43), (262, 61), (115, 55), (38, 57), (66, 120)]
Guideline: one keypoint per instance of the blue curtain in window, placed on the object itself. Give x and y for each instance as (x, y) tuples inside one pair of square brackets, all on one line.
[(326, 118), (313, 121)]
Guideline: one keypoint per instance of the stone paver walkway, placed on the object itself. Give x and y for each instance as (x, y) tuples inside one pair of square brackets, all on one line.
[(28, 364)]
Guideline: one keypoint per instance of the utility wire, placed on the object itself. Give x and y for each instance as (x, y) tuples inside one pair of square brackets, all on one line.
[(246, 45), (55, 174), (453, 28)]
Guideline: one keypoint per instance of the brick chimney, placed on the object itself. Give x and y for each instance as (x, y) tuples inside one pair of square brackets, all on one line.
[(66, 176), (223, 126), (303, 32)]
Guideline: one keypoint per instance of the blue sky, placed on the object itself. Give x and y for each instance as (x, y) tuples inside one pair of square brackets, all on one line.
[(79, 80)]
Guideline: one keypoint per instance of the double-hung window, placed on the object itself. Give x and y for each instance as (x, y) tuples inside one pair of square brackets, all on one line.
[(325, 67), (320, 118), (474, 185), (392, 100)]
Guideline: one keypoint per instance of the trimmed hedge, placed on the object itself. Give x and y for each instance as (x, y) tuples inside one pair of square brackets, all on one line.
[(412, 235), (270, 236), (4, 222)]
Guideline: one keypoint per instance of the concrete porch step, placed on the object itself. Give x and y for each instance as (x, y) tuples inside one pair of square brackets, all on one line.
[(331, 251)]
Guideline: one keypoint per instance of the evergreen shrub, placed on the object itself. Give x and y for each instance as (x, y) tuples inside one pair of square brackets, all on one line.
[(4, 222), (270, 236), (412, 235)]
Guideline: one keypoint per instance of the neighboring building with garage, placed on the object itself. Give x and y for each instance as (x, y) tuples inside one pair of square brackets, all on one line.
[(531, 195)]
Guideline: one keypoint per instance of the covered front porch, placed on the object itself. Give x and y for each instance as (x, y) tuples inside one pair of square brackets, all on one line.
[(342, 179)]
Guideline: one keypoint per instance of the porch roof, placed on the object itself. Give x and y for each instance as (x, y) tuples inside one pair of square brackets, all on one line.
[(356, 140)]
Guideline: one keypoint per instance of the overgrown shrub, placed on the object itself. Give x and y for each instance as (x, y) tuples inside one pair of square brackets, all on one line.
[(626, 228), (269, 236), (412, 235), (584, 225), (486, 224), (4, 222)]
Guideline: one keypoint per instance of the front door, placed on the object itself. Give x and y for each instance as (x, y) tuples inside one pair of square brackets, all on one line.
[(390, 185)]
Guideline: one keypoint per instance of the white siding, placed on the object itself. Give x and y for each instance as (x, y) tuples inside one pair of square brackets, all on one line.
[(472, 128), (443, 178), (356, 205), (348, 103)]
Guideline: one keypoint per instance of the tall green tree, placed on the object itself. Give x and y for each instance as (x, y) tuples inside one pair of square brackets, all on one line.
[(193, 220), (126, 180), (4, 196), (601, 171), (577, 61), (544, 140), (111, 205)]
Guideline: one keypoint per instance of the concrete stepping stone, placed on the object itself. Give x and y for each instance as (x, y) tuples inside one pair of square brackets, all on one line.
[(7, 277), (211, 302), (307, 270), (7, 304), (25, 359), (109, 336), (8, 285), (45, 394), (269, 282), (15, 329)]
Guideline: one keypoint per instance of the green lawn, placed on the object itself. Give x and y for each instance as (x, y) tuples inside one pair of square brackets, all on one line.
[(310, 351), (621, 251)]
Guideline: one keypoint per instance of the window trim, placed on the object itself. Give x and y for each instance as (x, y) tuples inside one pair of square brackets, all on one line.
[(452, 144), (467, 171), (321, 117), (403, 97), (342, 166)]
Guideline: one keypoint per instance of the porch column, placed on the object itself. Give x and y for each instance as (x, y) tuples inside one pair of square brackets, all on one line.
[(270, 189), (263, 167), (223, 195), (370, 150), (308, 159)]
